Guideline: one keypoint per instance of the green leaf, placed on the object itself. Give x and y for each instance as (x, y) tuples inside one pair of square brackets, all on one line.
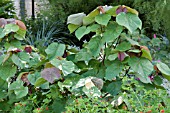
[(24, 56), (83, 55), (92, 92), (103, 19), (123, 46), (81, 31), (141, 65), (16, 43), (55, 50), (17, 61), (131, 41), (11, 28), (76, 19), (93, 28), (7, 70), (32, 78), (129, 20), (113, 30), (113, 70), (94, 46), (67, 67), (112, 11), (90, 18), (19, 90), (114, 88), (39, 82), (2, 34), (163, 68), (144, 79), (20, 34), (59, 105), (146, 54), (3, 88), (72, 27)]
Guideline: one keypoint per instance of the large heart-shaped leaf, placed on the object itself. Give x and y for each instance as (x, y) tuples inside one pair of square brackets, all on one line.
[(67, 67), (90, 17), (7, 70), (94, 45), (55, 50), (163, 68), (113, 30), (114, 88), (72, 27), (129, 20), (141, 65), (76, 19), (103, 19), (51, 74), (81, 31), (19, 90), (11, 28), (123, 46), (113, 70), (32, 78)]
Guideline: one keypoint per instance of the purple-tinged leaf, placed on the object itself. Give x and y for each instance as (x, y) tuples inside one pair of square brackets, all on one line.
[(124, 10), (51, 74), (119, 10), (121, 56)]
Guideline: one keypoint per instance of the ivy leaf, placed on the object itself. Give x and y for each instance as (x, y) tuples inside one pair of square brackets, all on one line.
[(141, 65), (67, 67), (72, 27), (7, 70), (163, 68), (55, 50), (123, 46), (103, 19), (76, 19), (114, 88), (129, 20), (113, 70), (11, 28), (113, 30), (91, 17), (51, 74), (81, 31)]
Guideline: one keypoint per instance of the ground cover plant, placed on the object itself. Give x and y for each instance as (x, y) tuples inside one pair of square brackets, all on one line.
[(111, 72)]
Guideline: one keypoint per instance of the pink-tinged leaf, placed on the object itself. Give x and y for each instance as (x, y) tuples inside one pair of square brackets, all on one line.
[(119, 10), (28, 49), (51, 74), (154, 36), (124, 10), (121, 56)]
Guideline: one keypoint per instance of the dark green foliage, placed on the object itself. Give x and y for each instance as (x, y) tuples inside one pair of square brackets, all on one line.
[(153, 13), (6, 9)]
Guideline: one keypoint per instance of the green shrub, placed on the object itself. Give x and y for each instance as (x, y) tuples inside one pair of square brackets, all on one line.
[(7, 9)]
